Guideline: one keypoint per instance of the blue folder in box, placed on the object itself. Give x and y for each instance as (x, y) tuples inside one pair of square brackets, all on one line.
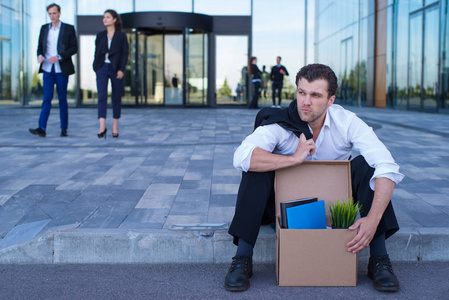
[(307, 216)]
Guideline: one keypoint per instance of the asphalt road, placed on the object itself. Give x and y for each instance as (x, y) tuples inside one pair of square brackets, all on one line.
[(429, 280)]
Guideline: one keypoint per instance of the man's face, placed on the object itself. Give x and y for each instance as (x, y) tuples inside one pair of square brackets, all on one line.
[(313, 101), (278, 60), (54, 14)]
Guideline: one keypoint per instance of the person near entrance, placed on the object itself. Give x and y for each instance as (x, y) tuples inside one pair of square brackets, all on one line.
[(277, 80), (57, 43), (111, 56), (313, 128), (264, 83), (174, 82), (255, 74)]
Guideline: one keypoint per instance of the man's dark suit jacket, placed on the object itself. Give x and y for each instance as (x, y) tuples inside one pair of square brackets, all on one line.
[(118, 54), (67, 46)]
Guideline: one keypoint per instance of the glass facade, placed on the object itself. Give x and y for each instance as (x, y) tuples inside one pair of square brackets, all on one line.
[(417, 47), (172, 67), (343, 43)]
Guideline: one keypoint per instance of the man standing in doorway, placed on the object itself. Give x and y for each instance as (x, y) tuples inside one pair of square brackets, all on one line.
[(277, 80), (57, 44)]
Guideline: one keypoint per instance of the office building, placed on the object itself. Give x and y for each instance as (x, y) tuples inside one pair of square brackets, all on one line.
[(386, 53)]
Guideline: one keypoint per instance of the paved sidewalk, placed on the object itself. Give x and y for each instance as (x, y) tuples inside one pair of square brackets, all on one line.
[(168, 183)]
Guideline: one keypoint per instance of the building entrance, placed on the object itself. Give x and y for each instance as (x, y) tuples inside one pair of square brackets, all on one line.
[(171, 67), (172, 59)]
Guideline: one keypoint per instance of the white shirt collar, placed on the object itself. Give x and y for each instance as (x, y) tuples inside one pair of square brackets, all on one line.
[(59, 25)]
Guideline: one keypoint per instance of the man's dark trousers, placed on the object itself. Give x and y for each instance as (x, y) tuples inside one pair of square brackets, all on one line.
[(61, 81), (277, 85), (256, 202)]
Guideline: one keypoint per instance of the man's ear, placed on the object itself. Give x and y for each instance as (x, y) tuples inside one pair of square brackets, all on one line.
[(331, 101)]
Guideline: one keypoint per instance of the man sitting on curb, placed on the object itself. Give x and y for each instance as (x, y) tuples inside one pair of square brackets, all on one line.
[(312, 128)]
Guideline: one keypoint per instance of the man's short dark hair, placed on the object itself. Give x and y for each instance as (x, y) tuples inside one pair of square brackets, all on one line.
[(54, 5), (314, 72), (279, 57)]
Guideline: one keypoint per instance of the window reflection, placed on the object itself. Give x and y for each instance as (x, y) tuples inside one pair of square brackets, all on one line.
[(339, 47), (278, 30), (231, 71)]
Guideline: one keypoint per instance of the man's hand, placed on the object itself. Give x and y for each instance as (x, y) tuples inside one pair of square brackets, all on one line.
[(304, 148), (53, 59), (367, 229), (120, 74), (40, 59), (383, 190)]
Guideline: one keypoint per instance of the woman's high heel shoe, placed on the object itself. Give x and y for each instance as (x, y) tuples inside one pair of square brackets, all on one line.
[(102, 134), (115, 135)]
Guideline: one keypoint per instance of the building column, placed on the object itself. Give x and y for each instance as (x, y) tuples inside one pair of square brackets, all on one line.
[(380, 65)]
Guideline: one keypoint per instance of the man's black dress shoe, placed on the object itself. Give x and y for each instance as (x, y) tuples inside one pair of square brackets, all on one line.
[(381, 272), (241, 270), (64, 132), (39, 131)]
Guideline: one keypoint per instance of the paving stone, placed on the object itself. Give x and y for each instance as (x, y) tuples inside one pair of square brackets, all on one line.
[(224, 188), (10, 215), (195, 184), (167, 179), (223, 200), (23, 232)]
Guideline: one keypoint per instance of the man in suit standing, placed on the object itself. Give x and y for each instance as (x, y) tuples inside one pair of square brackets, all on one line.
[(277, 80), (57, 44)]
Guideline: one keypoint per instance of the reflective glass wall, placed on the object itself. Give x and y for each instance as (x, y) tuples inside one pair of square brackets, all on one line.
[(342, 40), (15, 73), (418, 72)]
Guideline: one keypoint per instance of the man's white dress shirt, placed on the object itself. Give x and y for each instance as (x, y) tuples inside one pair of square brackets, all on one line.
[(342, 131), (52, 49)]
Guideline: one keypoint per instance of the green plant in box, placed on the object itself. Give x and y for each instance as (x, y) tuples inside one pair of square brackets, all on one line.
[(343, 213)]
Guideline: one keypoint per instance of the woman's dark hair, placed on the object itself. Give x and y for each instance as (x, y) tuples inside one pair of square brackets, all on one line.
[(54, 5), (115, 15), (250, 62), (314, 72)]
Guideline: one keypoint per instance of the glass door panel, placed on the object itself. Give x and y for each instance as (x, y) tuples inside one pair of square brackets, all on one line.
[(129, 81), (231, 69), (415, 61), (173, 69), (152, 87), (196, 67), (88, 79), (430, 75)]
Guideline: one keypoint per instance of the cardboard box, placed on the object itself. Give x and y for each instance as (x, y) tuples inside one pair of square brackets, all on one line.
[(308, 257)]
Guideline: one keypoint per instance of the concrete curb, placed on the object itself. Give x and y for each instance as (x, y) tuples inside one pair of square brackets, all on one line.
[(167, 246)]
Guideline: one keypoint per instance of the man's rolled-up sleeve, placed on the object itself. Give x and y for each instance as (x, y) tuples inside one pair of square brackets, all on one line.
[(374, 151), (264, 137)]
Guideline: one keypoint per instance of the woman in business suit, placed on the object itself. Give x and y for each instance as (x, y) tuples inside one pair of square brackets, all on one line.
[(255, 73), (111, 56)]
